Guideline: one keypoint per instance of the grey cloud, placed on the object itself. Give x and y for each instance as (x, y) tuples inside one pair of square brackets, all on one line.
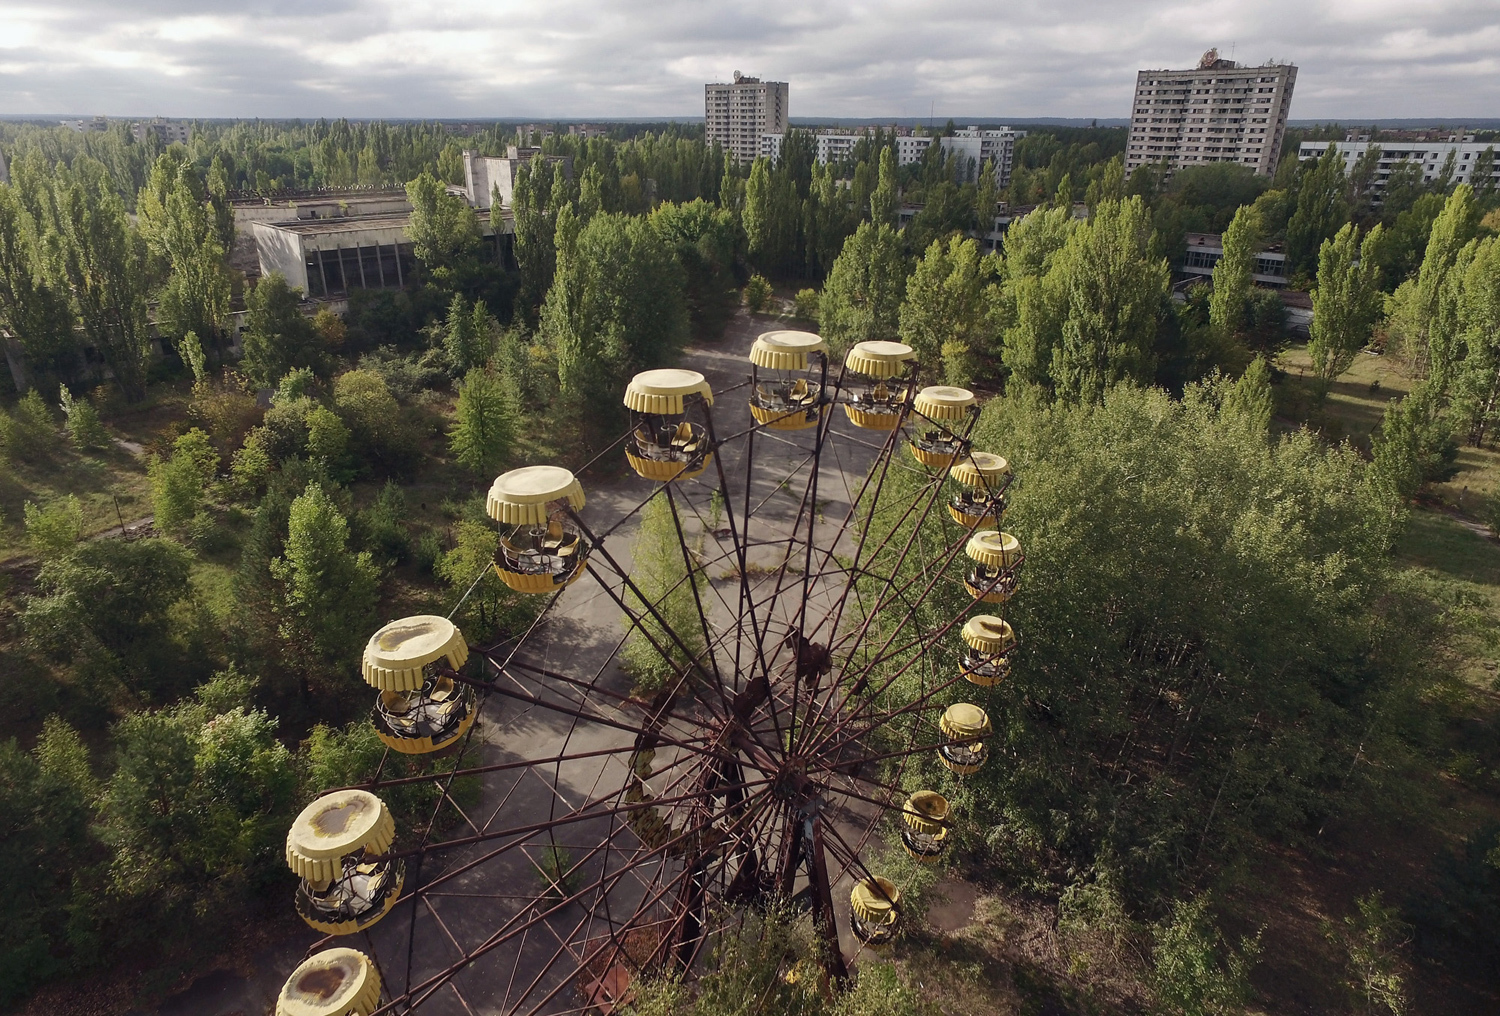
[(1357, 58)]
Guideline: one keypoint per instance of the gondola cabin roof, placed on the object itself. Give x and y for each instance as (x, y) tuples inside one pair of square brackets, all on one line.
[(965, 720), (993, 549), (943, 402), (334, 982), (985, 633), (520, 497), (664, 392), (879, 359), (395, 655), (980, 468), (334, 826), (785, 350)]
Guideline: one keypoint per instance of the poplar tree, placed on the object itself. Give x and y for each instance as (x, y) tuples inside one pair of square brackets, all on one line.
[(616, 305), (660, 572), (1111, 291), (1346, 303), (535, 226), (33, 308), (884, 200), (278, 336), (95, 253), (1234, 274), (444, 232), (1321, 209)]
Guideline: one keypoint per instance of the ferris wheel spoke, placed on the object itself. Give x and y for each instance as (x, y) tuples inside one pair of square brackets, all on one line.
[(937, 486), (511, 928), (899, 672), (650, 608)]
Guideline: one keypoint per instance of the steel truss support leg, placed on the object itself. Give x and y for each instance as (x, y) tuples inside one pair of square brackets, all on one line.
[(825, 926)]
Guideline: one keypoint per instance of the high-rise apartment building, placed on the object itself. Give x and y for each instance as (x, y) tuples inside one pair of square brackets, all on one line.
[(1216, 112), (737, 114), (975, 147)]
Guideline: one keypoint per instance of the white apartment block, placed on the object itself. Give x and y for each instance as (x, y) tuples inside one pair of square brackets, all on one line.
[(1217, 112), (96, 124), (836, 147), (975, 147), (770, 147), (738, 114), (1431, 157), (169, 132), (910, 150)]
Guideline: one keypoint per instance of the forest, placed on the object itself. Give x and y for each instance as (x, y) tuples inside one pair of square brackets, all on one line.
[(1230, 647)]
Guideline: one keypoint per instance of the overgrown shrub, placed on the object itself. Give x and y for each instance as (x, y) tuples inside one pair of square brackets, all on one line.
[(757, 294)]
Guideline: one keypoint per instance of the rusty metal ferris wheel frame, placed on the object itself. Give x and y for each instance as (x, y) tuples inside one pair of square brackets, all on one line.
[(762, 770)]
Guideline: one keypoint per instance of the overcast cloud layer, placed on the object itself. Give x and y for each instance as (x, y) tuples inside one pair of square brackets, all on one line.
[(580, 58)]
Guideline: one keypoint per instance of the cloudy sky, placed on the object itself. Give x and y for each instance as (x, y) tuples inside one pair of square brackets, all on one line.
[(579, 58)]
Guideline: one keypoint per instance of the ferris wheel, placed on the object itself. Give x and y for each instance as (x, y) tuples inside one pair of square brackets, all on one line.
[(831, 640)]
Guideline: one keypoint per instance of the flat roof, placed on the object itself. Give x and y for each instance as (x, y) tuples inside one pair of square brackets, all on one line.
[(358, 223)]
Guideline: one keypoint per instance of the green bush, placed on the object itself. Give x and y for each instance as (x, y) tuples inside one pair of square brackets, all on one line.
[(381, 528), (179, 485), (806, 306), (83, 423), (54, 530), (33, 433), (757, 294), (1194, 972)]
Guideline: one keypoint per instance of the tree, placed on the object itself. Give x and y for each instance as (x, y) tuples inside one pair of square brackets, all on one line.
[(53, 531), (660, 571), (278, 337), (1346, 304), (1451, 231), (1413, 444), (95, 254), (197, 797), (1189, 975), (1112, 291), (757, 294), (1476, 295), (327, 438), (469, 335), (178, 484), (45, 811), (184, 239), (771, 215), (493, 609), (33, 308), (377, 435), (82, 421), (616, 307), (111, 601), (862, 298), (704, 239), (1108, 185), (327, 593), (943, 315), (884, 200), (535, 227), (484, 422), (1031, 246), (443, 230), (1280, 648), (1321, 209), (1233, 275), (986, 198)]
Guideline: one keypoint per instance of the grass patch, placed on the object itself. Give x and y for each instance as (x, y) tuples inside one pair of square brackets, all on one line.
[(1441, 543)]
